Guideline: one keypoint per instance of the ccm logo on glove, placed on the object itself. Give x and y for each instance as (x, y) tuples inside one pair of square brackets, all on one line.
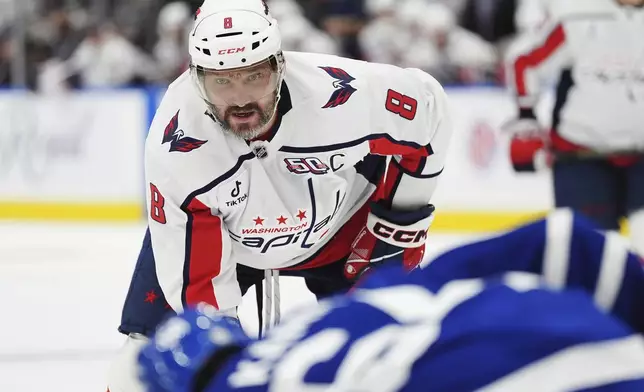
[(404, 236)]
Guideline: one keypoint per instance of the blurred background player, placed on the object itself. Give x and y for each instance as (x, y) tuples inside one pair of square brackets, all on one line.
[(432, 41), (552, 306), (596, 142), (261, 160)]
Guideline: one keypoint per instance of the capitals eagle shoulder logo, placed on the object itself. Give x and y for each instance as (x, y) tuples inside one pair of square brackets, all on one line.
[(178, 141), (343, 86)]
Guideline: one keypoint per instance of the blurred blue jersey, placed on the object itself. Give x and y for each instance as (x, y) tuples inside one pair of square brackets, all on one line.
[(553, 306)]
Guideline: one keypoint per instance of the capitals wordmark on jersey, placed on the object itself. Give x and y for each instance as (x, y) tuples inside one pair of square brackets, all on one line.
[(178, 141), (302, 231)]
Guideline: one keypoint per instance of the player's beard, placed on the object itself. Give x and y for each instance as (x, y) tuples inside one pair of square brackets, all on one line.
[(242, 130)]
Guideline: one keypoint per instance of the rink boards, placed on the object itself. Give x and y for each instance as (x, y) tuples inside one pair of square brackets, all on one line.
[(79, 157)]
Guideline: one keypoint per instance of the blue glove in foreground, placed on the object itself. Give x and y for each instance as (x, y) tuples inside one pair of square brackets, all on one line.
[(186, 351)]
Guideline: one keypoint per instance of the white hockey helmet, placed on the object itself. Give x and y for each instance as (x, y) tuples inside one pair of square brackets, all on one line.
[(232, 36)]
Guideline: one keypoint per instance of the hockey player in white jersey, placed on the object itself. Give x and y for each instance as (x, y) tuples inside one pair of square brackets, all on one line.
[(261, 160), (596, 145)]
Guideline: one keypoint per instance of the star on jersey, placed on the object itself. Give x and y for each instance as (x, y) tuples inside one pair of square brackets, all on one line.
[(281, 220), (344, 89), (301, 215), (258, 221), (151, 296), (175, 136)]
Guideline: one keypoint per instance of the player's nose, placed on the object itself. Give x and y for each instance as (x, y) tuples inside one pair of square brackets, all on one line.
[(239, 97)]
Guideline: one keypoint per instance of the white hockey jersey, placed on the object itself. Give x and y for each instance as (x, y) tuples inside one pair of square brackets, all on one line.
[(598, 47), (298, 199)]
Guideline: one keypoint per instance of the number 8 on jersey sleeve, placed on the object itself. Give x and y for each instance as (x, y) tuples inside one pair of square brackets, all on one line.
[(401, 105)]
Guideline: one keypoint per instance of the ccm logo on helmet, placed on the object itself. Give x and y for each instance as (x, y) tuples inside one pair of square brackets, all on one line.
[(231, 51), (404, 236)]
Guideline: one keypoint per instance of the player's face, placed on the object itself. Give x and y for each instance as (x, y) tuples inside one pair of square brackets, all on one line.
[(243, 100)]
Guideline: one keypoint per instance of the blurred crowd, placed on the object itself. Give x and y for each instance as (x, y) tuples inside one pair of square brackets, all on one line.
[(51, 45)]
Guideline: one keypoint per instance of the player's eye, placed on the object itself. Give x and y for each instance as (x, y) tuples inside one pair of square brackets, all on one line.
[(256, 76), (221, 81)]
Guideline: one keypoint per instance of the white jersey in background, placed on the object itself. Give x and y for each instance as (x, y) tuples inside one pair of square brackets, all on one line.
[(299, 198), (598, 46)]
